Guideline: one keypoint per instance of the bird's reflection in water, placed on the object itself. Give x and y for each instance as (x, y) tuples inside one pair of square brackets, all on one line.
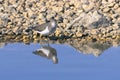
[(48, 52)]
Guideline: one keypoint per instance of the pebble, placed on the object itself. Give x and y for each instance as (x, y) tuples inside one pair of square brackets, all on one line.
[(105, 10), (117, 10), (115, 27), (94, 32), (88, 7), (111, 5), (57, 32), (15, 29), (116, 6), (111, 1), (79, 34)]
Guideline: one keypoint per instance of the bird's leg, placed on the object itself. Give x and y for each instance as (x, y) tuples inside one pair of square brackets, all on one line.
[(40, 36), (48, 43), (41, 45), (46, 40)]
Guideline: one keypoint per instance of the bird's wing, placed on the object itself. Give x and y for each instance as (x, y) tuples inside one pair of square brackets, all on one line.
[(40, 53), (41, 27), (52, 50)]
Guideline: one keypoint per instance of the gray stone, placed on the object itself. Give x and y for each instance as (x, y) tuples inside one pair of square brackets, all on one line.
[(93, 20)]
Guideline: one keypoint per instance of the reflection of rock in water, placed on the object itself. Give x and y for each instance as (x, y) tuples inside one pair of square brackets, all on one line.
[(2, 45), (90, 47), (85, 44), (47, 52)]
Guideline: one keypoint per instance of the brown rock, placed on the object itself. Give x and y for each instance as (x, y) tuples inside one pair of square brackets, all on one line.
[(67, 5), (116, 6), (79, 34), (106, 9), (88, 7), (111, 5), (30, 13), (57, 32), (15, 29), (117, 10), (94, 31), (115, 27)]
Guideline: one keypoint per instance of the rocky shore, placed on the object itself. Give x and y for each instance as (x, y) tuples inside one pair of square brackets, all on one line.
[(94, 19)]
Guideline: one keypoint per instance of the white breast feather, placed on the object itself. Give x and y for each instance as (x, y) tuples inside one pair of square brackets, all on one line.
[(45, 51), (46, 31)]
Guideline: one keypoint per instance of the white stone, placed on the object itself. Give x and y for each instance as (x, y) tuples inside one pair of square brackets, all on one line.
[(1, 0), (110, 1)]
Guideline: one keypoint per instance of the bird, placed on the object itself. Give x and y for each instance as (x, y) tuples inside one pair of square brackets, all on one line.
[(47, 52), (46, 29)]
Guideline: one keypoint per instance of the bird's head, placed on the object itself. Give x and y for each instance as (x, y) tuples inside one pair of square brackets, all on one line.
[(53, 22), (55, 59)]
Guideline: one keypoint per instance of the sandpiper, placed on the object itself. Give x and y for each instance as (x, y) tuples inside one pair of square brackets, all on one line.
[(46, 29), (47, 52)]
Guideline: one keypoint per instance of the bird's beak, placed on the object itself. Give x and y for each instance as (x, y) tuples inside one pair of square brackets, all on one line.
[(35, 52)]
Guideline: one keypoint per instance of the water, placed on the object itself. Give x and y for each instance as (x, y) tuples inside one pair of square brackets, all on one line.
[(18, 62)]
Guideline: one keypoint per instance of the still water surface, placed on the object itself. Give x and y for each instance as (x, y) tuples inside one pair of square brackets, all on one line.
[(18, 62)]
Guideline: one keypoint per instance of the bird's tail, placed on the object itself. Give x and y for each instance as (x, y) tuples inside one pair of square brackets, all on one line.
[(29, 29)]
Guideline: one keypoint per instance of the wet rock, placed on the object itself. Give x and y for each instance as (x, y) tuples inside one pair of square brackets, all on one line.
[(2, 44), (115, 44), (25, 37)]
